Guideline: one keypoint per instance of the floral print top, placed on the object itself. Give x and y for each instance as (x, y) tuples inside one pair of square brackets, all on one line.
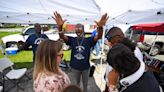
[(53, 83)]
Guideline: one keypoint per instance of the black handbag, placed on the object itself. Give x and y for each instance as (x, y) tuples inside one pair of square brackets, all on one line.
[(92, 70)]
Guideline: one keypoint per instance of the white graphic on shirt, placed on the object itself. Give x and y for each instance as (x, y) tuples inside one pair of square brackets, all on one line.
[(79, 50), (38, 41)]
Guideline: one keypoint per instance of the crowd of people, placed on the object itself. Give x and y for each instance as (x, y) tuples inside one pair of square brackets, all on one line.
[(125, 71)]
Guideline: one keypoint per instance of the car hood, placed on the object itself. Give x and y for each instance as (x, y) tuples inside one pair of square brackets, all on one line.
[(13, 37), (19, 37)]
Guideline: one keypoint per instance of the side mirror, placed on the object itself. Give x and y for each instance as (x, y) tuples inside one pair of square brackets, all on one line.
[(23, 34)]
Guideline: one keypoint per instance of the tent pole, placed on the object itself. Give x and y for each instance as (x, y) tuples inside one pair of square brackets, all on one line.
[(101, 59), (131, 33), (153, 44)]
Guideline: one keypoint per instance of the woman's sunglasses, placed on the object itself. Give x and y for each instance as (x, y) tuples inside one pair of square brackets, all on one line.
[(60, 55)]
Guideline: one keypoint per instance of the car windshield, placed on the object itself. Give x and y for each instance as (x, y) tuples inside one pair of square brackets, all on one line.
[(30, 31)]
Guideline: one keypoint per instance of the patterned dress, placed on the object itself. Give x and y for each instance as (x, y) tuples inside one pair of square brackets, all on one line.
[(53, 83)]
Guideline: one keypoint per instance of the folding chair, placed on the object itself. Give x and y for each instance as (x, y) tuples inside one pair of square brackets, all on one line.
[(14, 75)]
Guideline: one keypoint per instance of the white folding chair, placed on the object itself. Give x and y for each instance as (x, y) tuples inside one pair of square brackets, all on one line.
[(14, 75)]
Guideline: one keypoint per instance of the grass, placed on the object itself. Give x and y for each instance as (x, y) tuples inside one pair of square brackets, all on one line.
[(7, 33), (24, 58), (21, 59)]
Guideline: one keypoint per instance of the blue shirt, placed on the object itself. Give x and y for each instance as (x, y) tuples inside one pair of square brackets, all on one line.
[(80, 52), (34, 40), (94, 33)]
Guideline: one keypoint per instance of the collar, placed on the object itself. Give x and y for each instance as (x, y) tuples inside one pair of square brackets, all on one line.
[(129, 80)]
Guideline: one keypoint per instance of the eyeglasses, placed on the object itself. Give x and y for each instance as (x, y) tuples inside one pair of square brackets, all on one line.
[(109, 37), (116, 36), (60, 55)]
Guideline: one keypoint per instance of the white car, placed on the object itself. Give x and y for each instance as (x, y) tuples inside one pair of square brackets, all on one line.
[(12, 40), (145, 40)]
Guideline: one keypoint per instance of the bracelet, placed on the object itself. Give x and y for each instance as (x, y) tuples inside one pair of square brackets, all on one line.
[(60, 32)]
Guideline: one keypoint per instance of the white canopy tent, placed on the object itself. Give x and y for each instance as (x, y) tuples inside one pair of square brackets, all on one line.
[(137, 17), (117, 7), (40, 11), (128, 12), (131, 17)]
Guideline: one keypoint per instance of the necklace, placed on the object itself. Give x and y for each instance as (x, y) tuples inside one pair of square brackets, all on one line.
[(79, 46), (79, 49), (80, 43)]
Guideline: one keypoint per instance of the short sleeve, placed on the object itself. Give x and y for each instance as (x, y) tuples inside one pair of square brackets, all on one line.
[(70, 41)]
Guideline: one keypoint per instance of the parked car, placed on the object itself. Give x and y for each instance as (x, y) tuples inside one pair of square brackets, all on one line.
[(12, 40), (145, 40)]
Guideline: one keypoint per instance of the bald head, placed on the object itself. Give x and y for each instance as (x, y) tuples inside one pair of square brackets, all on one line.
[(115, 31), (115, 35)]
